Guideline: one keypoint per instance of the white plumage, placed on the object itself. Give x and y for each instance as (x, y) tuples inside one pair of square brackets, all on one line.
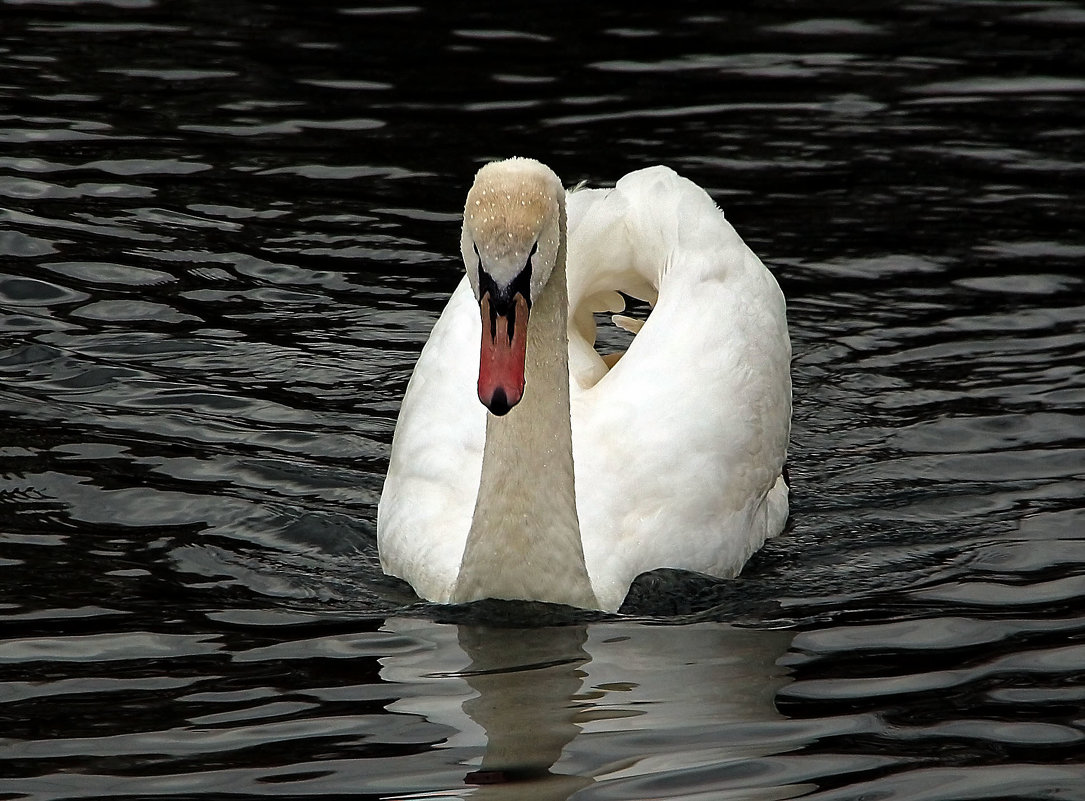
[(677, 450)]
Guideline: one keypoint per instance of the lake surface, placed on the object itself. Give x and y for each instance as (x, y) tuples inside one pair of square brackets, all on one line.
[(226, 230)]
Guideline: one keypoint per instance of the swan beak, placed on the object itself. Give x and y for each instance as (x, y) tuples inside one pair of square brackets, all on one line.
[(504, 352)]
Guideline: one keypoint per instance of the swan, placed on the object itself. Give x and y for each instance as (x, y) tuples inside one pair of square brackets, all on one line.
[(530, 467)]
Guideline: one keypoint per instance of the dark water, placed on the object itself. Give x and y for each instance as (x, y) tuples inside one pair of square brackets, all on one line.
[(226, 229)]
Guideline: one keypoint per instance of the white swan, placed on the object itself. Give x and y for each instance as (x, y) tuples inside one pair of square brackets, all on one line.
[(583, 475)]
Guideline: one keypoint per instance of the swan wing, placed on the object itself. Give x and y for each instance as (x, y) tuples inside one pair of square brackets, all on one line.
[(429, 493), (678, 448)]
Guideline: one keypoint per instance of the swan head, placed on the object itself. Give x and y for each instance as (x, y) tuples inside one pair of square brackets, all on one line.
[(510, 242)]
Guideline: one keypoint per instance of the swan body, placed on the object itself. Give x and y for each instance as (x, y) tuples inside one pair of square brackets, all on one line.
[(533, 468)]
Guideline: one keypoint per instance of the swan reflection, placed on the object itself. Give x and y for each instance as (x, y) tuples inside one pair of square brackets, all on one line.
[(542, 713)]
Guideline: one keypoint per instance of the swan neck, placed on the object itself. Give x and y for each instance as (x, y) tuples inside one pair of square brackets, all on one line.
[(524, 540)]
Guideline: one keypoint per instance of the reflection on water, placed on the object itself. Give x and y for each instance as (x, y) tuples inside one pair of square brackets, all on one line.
[(225, 231), (545, 712), (524, 705)]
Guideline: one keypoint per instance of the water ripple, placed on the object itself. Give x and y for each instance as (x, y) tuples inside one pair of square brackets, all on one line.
[(227, 233)]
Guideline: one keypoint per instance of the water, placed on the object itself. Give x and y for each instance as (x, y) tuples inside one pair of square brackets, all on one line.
[(226, 231)]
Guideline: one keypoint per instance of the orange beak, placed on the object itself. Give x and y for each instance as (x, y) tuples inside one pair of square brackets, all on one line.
[(503, 356)]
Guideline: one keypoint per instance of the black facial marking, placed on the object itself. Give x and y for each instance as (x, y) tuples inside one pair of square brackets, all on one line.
[(503, 301)]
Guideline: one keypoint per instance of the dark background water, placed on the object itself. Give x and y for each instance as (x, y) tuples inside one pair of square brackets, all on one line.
[(226, 230)]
